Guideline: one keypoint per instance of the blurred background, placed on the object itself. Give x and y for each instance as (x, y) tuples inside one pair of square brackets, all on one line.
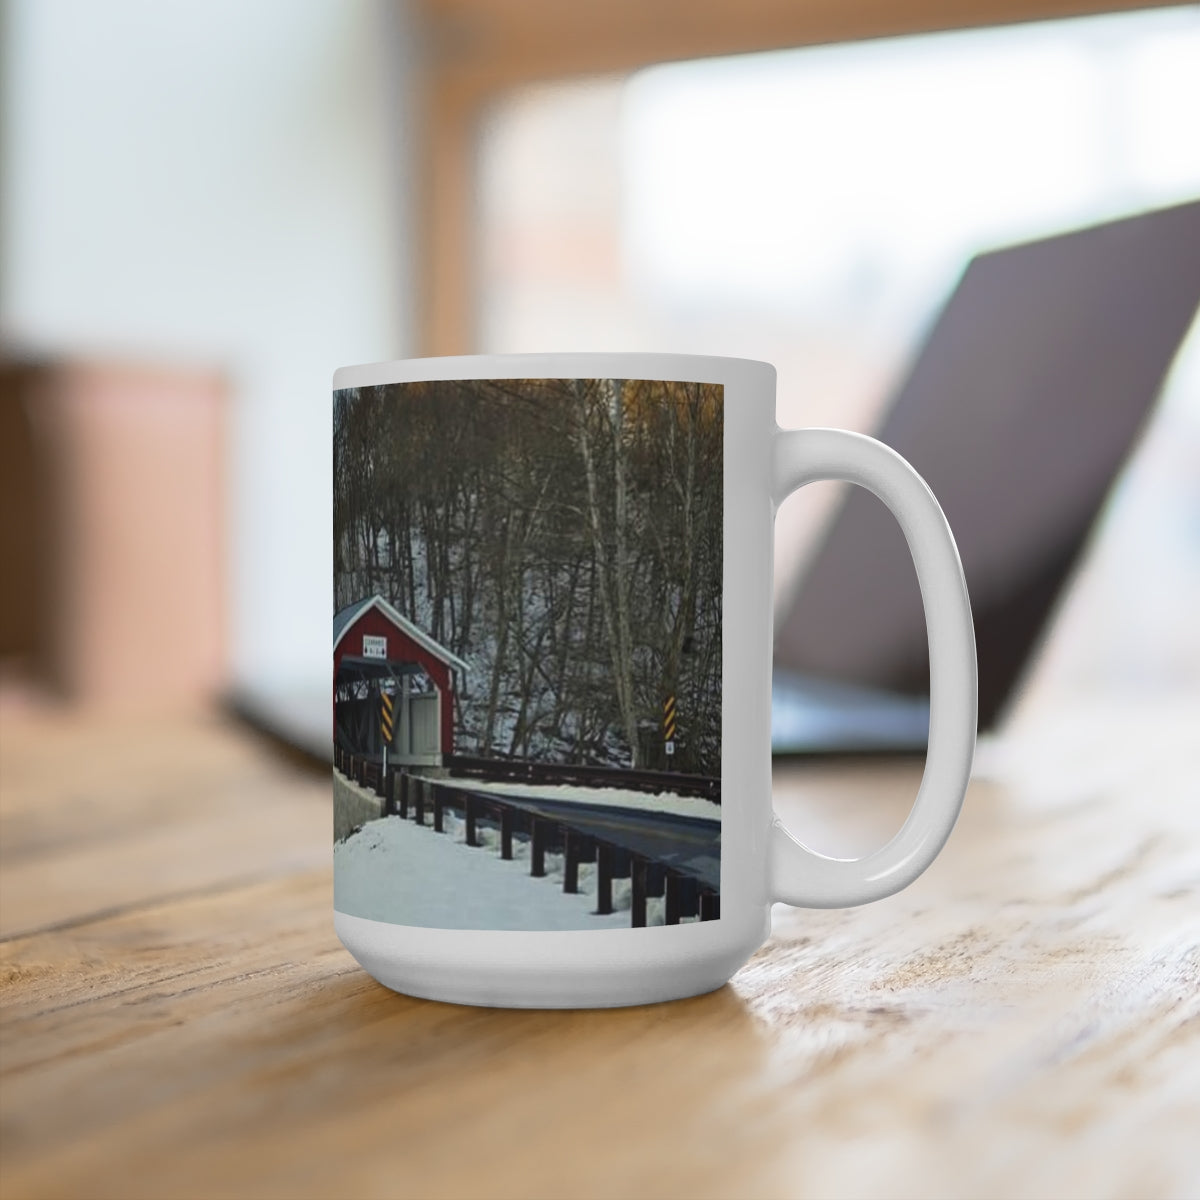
[(205, 208)]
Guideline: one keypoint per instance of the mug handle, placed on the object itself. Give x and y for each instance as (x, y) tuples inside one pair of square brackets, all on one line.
[(799, 875)]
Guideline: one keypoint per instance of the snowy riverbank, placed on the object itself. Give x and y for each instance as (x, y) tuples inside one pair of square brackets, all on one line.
[(394, 870)]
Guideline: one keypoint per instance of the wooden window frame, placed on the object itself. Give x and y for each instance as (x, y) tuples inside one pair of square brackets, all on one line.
[(474, 51)]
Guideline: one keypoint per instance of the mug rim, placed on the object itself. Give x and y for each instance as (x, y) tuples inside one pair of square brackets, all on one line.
[(571, 364)]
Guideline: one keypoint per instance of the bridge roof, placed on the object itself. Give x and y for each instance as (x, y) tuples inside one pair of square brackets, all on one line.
[(345, 618)]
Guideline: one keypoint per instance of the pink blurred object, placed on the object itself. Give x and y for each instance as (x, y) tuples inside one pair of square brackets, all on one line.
[(115, 561)]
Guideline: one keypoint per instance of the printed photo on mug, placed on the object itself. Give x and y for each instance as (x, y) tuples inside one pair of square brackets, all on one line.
[(527, 652)]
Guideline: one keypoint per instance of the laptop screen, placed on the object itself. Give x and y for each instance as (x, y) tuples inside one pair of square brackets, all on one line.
[(1019, 411)]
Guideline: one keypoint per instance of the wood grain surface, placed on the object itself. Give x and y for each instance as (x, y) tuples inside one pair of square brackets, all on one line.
[(178, 1018)]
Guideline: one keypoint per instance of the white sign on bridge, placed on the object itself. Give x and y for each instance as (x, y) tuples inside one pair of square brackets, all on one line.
[(374, 647)]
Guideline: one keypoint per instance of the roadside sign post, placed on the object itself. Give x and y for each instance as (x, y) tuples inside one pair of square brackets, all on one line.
[(668, 726), (385, 725)]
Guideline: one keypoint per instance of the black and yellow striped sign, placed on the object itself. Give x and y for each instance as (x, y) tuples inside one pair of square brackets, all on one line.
[(669, 719), (385, 717)]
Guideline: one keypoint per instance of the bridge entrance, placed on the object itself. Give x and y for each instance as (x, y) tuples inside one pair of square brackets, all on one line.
[(376, 650)]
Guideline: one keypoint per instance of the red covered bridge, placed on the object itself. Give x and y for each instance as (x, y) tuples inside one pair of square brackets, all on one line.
[(377, 649)]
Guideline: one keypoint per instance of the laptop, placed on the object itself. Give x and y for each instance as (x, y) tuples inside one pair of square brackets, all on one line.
[(1020, 409)]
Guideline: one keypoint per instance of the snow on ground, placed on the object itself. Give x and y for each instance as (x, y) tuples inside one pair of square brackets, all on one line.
[(395, 870), (666, 802)]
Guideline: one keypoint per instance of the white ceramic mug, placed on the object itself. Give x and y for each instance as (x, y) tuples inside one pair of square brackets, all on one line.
[(552, 645)]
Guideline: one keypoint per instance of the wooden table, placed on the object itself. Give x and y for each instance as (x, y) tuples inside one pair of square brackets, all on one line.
[(179, 1020)]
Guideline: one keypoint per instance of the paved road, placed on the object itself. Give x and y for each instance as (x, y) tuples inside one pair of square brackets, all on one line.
[(690, 844)]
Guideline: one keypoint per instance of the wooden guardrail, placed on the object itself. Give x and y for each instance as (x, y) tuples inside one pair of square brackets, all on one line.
[(366, 772), (519, 770), (362, 768), (426, 802)]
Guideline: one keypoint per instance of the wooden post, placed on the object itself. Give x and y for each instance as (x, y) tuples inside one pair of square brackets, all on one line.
[(638, 907), (689, 896), (604, 874), (470, 806), (402, 792), (438, 806), (419, 800), (656, 878), (570, 861), (506, 831), (710, 905), (537, 847), (674, 896)]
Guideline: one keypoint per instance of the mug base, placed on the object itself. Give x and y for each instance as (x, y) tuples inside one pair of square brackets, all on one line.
[(578, 969)]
